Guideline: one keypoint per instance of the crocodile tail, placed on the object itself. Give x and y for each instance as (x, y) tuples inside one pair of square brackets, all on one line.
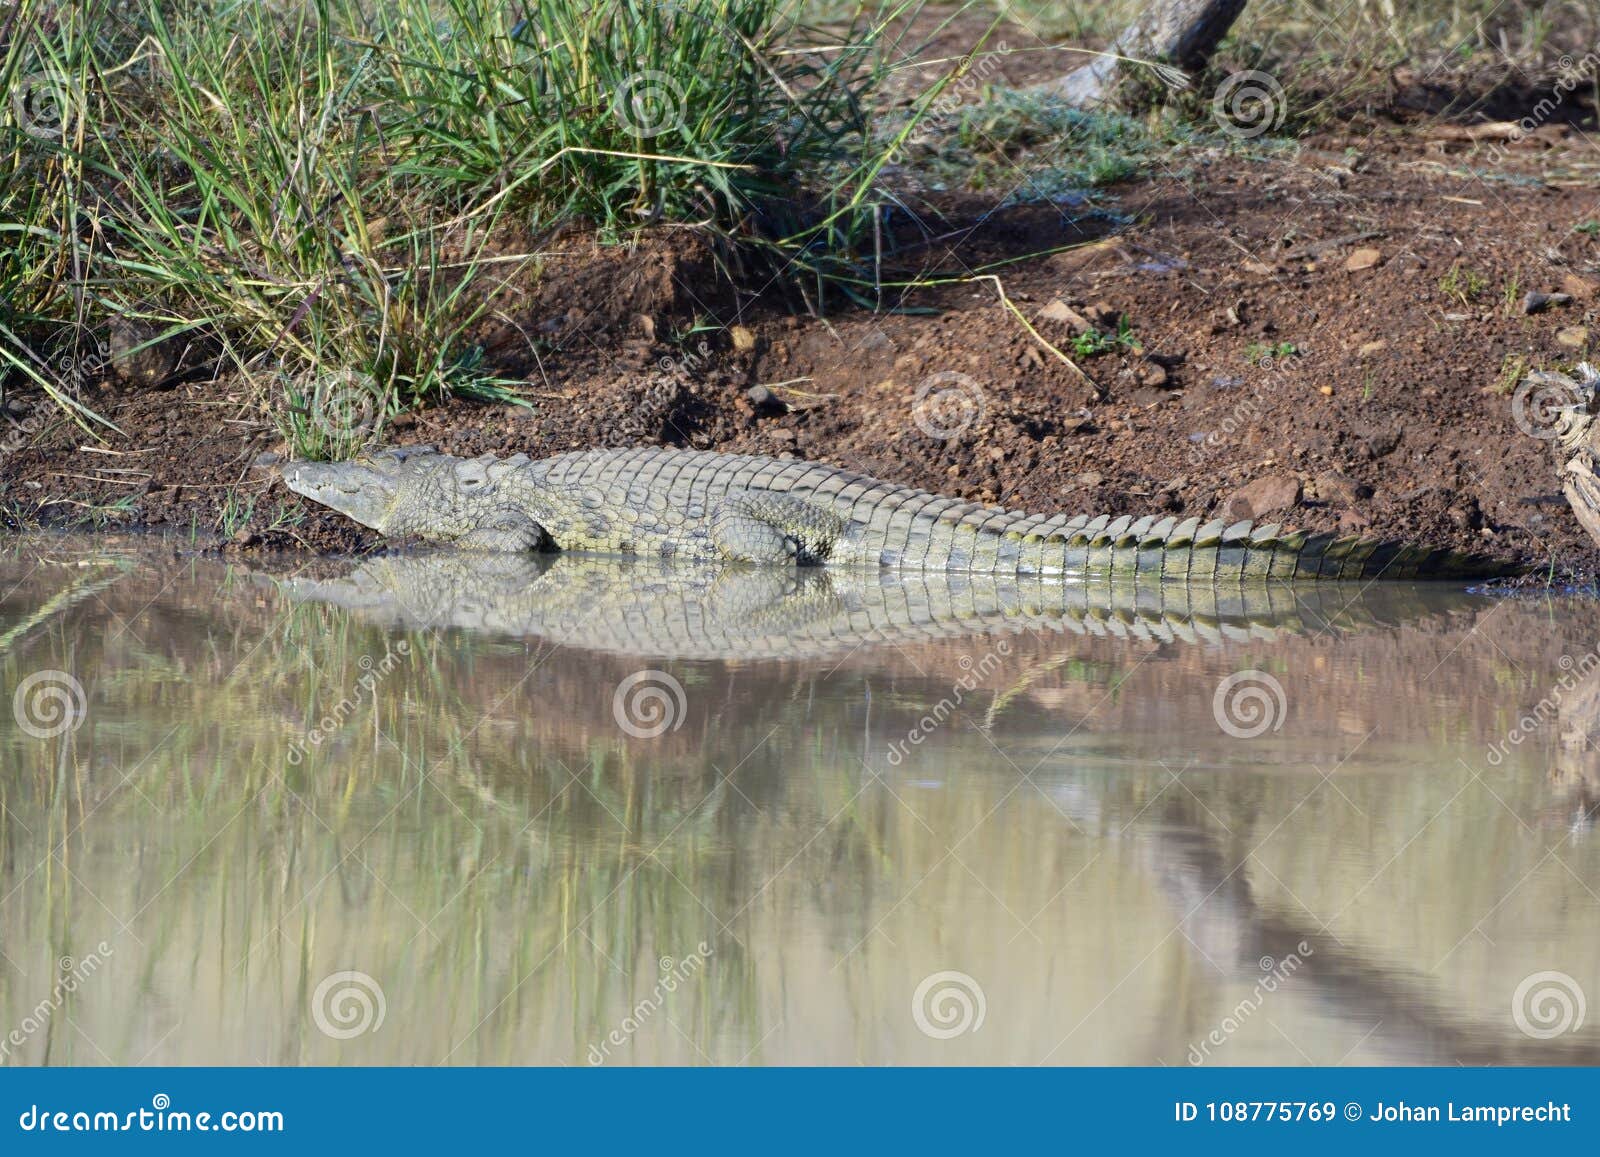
[(1196, 551)]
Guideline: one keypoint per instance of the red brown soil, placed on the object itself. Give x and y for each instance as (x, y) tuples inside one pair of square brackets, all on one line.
[(1397, 385)]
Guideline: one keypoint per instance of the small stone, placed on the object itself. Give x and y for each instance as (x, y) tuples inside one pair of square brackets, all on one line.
[(1259, 268), (1339, 489), (1372, 347), (744, 338), (1060, 311), (647, 326), (1353, 521), (265, 460), (148, 366), (760, 396), (1381, 443), (1363, 259), (1262, 497), (1222, 383), (1154, 374), (782, 435), (1091, 478), (1580, 287), (1539, 302), (1325, 391), (1573, 337), (1104, 314), (403, 421)]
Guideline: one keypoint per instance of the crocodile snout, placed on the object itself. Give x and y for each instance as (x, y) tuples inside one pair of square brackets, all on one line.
[(352, 489)]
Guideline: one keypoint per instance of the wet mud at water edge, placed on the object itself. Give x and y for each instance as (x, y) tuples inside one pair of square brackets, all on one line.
[(322, 812)]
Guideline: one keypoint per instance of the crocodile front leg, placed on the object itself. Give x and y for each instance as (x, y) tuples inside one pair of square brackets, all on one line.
[(775, 528), (506, 529)]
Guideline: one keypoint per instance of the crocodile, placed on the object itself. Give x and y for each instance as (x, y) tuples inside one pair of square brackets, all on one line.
[(646, 607), (709, 506)]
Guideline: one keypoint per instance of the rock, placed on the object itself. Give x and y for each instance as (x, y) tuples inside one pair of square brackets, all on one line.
[(1091, 478), (1580, 287), (1573, 337), (1353, 521), (647, 326), (1325, 391), (137, 359), (265, 460), (1259, 268), (1539, 302), (1262, 497), (1339, 489), (744, 338), (1222, 383), (1381, 443), (1372, 347), (1363, 259), (762, 398), (1060, 311), (403, 421), (1152, 373)]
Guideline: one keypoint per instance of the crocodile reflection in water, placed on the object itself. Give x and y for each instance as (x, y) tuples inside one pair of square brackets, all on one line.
[(684, 611)]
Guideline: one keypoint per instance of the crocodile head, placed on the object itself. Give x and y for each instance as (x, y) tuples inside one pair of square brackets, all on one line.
[(417, 491)]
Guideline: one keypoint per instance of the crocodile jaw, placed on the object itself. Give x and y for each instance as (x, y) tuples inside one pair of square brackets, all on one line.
[(358, 491)]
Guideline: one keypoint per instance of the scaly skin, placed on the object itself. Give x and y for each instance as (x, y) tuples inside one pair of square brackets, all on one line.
[(661, 610), (745, 508)]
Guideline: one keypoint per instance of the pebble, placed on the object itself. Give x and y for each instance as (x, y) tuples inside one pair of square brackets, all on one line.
[(1579, 287), (1573, 337), (1340, 489), (1381, 444), (1153, 374), (1060, 311), (1365, 258), (1262, 497), (1539, 302)]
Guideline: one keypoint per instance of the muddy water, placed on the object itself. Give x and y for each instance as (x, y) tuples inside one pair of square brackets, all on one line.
[(390, 815)]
